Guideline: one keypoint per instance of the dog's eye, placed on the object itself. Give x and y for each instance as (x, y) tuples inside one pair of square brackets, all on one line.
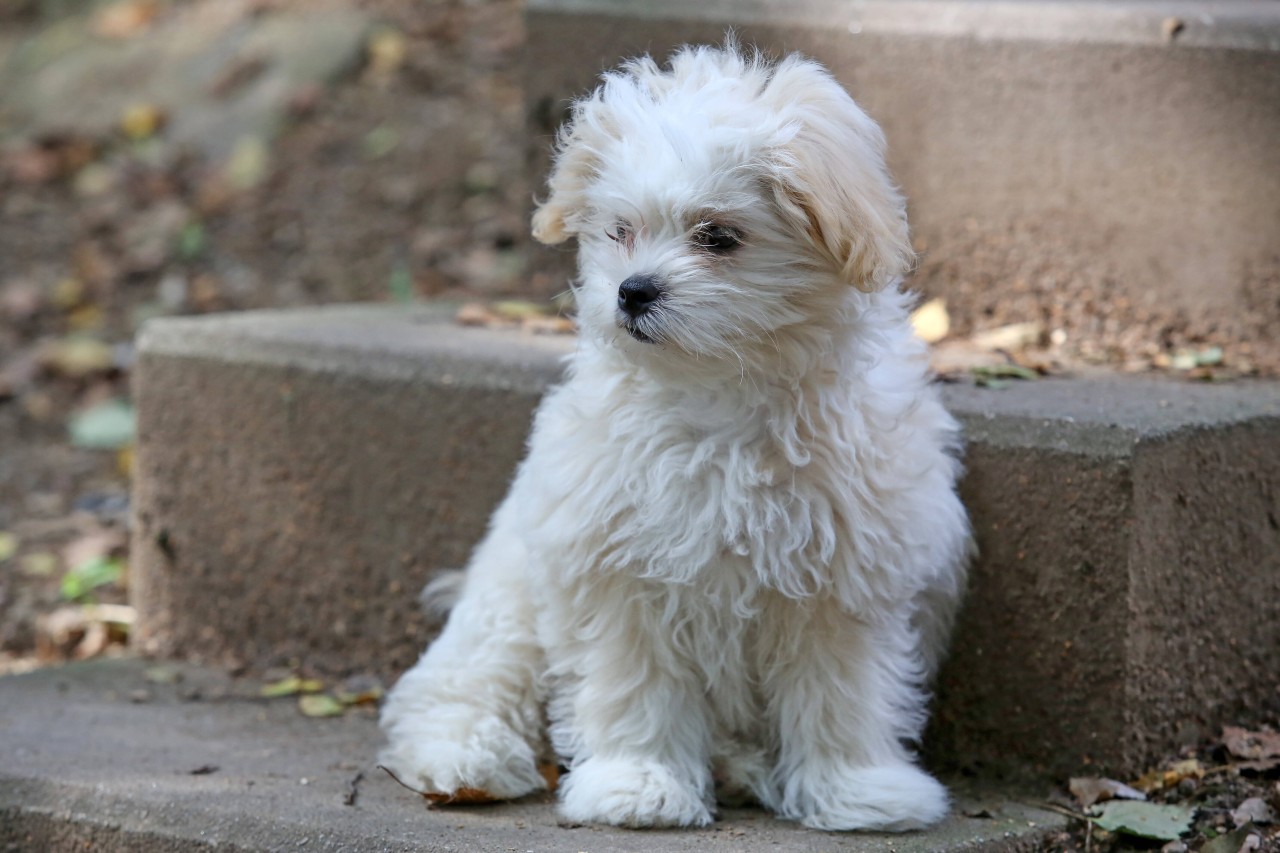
[(720, 239), (620, 232)]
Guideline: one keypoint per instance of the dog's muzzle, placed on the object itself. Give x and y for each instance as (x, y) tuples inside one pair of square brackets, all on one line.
[(637, 295)]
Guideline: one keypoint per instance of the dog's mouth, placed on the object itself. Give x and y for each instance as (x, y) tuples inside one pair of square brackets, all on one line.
[(639, 334)]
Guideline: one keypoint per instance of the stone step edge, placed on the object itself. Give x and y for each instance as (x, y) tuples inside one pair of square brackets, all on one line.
[(1175, 23), (137, 792), (1100, 415)]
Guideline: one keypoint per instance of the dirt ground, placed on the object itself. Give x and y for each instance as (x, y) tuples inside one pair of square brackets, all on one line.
[(406, 179), (403, 180)]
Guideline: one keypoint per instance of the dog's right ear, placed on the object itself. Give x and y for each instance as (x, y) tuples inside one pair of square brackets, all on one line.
[(830, 178), (573, 167)]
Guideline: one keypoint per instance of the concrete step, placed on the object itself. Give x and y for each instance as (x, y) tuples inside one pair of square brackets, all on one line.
[(300, 475), (1123, 151), (94, 756)]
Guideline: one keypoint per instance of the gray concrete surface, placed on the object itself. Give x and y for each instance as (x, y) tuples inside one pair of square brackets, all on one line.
[(300, 475), (96, 756), (1133, 139)]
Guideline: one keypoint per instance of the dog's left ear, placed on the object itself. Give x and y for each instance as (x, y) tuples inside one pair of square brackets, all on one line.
[(830, 177)]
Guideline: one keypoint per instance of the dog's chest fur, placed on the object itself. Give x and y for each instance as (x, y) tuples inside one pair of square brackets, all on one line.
[(670, 484)]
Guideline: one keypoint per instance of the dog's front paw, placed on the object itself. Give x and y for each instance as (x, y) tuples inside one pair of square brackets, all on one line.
[(892, 798), (444, 754), (631, 792)]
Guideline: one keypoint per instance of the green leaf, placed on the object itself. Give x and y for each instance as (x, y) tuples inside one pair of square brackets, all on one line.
[(1145, 820), (8, 545), (1003, 371), (107, 426), (320, 705), (191, 241), (380, 142), (401, 283), (89, 575)]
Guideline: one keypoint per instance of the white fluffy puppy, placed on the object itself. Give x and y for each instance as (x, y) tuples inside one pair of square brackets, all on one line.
[(729, 564)]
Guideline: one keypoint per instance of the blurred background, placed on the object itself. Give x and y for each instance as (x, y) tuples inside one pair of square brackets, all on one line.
[(1093, 186), (165, 158)]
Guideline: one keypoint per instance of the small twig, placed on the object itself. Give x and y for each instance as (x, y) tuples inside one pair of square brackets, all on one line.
[(1054, 807), (353, 789), (400, 782)]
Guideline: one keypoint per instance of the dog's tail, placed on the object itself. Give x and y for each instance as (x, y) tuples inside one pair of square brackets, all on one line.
[(440, 595)]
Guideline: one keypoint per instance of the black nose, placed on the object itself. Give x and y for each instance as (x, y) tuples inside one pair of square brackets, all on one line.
[(637, 294)]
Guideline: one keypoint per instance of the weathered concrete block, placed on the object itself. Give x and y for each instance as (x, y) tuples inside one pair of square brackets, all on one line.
[(1134, 139), (302, 474), (1126, 597)]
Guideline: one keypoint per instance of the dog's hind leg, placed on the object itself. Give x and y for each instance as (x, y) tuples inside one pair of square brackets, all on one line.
[(469, 712)]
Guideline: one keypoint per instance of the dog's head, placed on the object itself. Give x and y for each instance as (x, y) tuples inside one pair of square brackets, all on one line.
[(721, 201)]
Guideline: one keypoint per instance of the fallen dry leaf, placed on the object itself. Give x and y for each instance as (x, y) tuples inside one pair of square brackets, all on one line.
[(475, 796), (476, 314), (1243, 743), (1172, 27), (387, 50), (82, 632), (125, 19), (1012, 337), (931, 321), (320, 705), (290, 686), (77, 357), (1158, 780), (520, 310), (1090, 790), (95, 641), (1253, 810), (536, 317), (369, 697), (142, 121)]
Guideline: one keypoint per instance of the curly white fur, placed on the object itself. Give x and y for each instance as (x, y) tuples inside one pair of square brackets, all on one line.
[(729, 563)]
